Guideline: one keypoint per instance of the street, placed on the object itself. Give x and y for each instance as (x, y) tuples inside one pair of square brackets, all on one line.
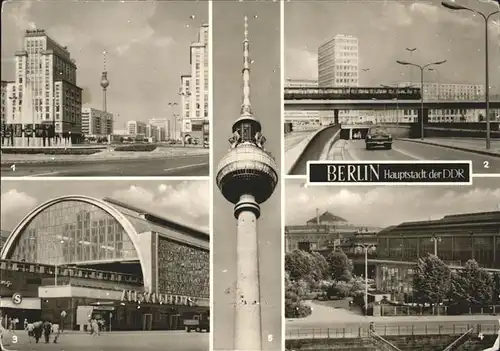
[(326, 321), (401, 151), (117, 341), (194, 165)]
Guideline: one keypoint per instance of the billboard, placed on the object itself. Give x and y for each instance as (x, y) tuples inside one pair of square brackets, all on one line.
[(187, 126), (28, 130)]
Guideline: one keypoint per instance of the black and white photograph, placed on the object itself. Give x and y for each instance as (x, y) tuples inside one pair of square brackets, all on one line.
[(247, 260), (392, 268), (421, 84), (114, 265), (113, 88)]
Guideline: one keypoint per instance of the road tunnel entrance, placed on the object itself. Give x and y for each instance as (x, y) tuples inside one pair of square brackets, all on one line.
[(348, 133)]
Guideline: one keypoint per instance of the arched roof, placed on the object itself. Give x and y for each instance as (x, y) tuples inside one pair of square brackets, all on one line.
[(9, 246)]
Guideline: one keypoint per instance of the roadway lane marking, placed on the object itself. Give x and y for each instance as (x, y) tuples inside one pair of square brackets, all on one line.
[(44, 174), (187, 166), (406, 153)]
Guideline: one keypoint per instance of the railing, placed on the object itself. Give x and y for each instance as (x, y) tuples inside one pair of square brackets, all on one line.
[(65, 271), (416, 329), (456, 342), (385, 344)]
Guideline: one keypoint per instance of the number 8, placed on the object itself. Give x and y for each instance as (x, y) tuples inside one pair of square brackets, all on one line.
[(14, 339)]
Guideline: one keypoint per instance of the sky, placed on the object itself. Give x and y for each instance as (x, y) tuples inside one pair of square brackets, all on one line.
[(185, 202), (390, 205), (264, 35), (147, 46), (385, 28)]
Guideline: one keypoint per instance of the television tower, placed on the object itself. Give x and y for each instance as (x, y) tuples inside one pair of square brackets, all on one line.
[(104, 84), (247, 177)]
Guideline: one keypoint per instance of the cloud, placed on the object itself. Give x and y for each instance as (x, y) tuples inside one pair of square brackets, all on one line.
[(385, 206), (186, 202), (14, 201), (20, 16), (303, 62)]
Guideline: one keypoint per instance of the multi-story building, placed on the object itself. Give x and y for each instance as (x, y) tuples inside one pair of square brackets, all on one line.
[(4, 98), (136, 128), (44, 100), (301, 115), (338, 66), (163, 125), (194, 91), (152, 133), (96, 123)]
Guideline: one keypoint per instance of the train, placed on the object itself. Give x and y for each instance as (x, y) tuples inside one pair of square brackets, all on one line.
[(353, 93)]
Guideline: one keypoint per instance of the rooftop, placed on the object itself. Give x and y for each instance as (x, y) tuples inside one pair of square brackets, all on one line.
[(327, 217)]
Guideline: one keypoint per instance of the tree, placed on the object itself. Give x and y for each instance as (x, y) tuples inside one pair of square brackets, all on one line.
[(340, 266), (496, 289), (431, 280), (476, 284), (294, 307), (299, 265), (322, 270)]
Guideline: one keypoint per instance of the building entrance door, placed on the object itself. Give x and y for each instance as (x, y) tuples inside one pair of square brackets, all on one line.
[(147, 321), (174, 320)]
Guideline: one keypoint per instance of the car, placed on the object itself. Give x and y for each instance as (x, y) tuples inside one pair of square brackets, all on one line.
[(378, 136), (206, 144)]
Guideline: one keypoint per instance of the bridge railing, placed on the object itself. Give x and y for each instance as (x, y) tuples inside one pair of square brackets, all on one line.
[(393, 330)]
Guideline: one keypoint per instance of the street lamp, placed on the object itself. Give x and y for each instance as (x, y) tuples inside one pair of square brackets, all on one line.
[(436, 240), (457, 7), (411, 51), (366, 247), (422, 68), (173, 104)]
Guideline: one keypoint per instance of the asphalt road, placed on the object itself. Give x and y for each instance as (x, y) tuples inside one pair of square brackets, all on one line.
[(120, 341), (401, 151), (169, 166)]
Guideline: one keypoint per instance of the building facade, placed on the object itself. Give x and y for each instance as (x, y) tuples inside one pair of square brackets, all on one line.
[(44, 102), (3, 113), (163, 125), (326, 231), (136, 128), (96, 123), (338, 66), (152, 133), (194, 91), (454, 238), (86, 256), (301, 115)]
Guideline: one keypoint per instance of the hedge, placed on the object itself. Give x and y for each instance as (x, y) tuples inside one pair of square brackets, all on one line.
[(139, 147), (48, 151)]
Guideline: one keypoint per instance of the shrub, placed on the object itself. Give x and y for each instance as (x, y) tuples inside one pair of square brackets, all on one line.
[(297, 310), (138, 147), (49, 151)]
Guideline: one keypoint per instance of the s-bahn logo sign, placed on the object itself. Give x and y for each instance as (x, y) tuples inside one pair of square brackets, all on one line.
[(17, 299), (147, 297)]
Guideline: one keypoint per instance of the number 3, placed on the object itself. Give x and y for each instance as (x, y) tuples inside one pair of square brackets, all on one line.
[(486, 164)]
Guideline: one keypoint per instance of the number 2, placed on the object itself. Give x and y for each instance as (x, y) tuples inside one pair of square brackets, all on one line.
[(486, 164)]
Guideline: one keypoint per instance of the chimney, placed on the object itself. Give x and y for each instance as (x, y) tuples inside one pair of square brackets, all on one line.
[(317, 216)]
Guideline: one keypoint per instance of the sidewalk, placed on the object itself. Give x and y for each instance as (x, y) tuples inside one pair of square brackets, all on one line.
[(161, 152), (463, 144), (294, 138)]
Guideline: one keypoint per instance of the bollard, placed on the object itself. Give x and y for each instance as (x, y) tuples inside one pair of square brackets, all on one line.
[(328, 333)]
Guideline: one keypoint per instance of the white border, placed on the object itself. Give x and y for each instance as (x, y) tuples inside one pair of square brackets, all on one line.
[(283, 170), (211, 171), (389, 183)]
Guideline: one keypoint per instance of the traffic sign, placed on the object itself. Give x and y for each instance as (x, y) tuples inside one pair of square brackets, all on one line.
[(17, 298)]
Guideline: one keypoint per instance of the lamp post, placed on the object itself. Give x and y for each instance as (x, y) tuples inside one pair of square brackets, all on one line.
[(366, 247), (453, 6), (436, 240), (172, 105), (422, 68), (411, 51)]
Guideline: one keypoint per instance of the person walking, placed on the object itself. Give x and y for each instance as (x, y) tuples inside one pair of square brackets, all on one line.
[(56, 331), (37, 330), (95, 328), (47, 328), (25, 323), (30, 328)]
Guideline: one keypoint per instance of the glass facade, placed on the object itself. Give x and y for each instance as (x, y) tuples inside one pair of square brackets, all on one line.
[(71, 232), (183, 270)]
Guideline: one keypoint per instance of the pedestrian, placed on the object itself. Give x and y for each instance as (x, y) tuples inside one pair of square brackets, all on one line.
[(372, 327), (37, 331), (56, 331), (47, 328), (95, 328), (30, 328), (25, 323)]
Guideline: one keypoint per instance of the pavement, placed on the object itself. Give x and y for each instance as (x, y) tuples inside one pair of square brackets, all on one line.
[(139, 164), (294, 138), (432, 149), (332, 322), (116, 341)]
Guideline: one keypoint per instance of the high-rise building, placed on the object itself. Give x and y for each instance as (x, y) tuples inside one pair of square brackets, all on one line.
[(4, 98), (338, 66), (44, 101), (194, 91), (136, 128), (152, 132), (96, 123), (163, 125)]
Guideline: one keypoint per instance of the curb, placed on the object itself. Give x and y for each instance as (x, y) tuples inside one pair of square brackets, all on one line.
[(480, 152), (21, 162), (329, 145)]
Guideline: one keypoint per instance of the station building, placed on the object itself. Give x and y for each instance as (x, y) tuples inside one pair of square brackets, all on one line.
[(77, 257)]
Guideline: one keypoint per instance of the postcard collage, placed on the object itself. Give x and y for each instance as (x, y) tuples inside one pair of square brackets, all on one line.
[(243, 175)]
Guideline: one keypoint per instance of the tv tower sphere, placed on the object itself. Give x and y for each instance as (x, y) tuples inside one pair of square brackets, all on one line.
[(104, 80)]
